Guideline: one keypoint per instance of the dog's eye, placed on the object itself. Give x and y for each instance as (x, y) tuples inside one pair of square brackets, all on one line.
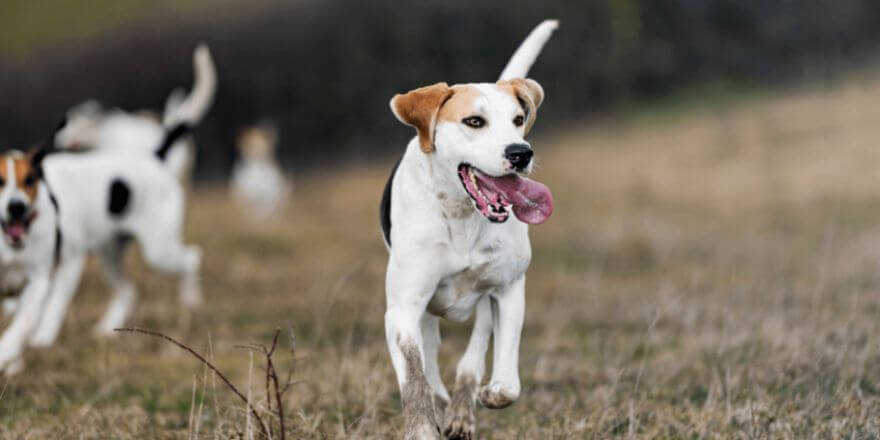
[(518, 120), (474, 122), (2, 181), (30, 180)]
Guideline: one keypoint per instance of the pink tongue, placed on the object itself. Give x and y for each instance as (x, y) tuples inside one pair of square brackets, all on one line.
[(15, 231), (532, 201)]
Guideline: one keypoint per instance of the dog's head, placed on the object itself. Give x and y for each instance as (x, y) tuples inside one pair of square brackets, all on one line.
[(477, 132), (20, 176), (81, 130), (258, 142)]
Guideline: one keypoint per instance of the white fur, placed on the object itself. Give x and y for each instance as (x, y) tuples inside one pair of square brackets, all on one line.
[(446, 259), (90, 126), (80, 182)]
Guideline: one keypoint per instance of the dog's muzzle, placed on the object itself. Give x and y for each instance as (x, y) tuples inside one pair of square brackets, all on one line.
[(519, 156), (19, 218), (494, 197)]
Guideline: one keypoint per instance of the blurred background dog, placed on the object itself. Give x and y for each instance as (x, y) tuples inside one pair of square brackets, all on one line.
[(258, 183)]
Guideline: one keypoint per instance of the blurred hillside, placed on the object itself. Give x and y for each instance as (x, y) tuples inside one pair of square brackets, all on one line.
[(325, 70)]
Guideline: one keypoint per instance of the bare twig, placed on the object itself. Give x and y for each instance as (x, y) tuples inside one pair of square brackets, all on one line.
[(202, 359), (270, 371)]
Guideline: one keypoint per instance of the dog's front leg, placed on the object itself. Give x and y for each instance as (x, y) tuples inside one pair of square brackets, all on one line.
[(27, 316), (461, 418), (407, 300), (508, 310), (63, 289)]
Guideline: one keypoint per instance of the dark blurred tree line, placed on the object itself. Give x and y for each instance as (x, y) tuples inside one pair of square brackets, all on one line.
[(326, 70)]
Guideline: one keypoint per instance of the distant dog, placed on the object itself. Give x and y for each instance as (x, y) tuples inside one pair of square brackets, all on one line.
[(58, 208), (91, 126), (453, 247), (258, 182)]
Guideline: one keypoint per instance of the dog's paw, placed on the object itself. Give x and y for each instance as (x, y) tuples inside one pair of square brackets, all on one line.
[(104, 329), (462, 424), (191, 293), (460, 418), (42, 338), (14, 367), (11, 361), (498, 395)]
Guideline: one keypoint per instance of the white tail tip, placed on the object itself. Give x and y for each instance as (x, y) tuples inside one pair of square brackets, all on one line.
[(521, 61)]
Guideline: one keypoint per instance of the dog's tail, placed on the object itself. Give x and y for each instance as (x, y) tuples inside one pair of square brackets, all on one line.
[(191, 108), (528, 51), (171, 137)]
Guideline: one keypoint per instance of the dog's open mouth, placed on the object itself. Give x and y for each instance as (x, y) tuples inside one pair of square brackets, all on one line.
[(495, 197), (15, 229)]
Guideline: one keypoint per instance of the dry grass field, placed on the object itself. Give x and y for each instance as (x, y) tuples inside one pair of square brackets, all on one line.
[(708, 273)]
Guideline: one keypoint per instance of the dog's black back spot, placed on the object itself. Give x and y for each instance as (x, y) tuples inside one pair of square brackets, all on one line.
[(171, 137), (120, 197), (385, 206)]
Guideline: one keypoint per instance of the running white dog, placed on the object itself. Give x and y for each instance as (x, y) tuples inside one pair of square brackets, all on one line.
[(56, 209), (91, 126), (258, 182), (453, 248)]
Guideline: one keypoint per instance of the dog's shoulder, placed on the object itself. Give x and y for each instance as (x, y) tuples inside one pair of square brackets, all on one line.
[(385, 206)]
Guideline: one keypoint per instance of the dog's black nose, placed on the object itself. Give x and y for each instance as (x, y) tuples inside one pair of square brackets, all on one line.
[(519, 155), (17, 210)]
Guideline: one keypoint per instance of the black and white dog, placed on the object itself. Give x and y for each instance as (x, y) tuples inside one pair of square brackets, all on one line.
[(56, 209), (454, 248), (92, 126)]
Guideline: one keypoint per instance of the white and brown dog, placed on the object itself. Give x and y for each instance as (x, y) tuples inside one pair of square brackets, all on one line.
[(258, 183), (91, 126), (56, 209), (453, 247)]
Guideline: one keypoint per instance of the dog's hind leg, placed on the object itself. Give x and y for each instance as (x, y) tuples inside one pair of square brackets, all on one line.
[(461, 420), (64, 287), (431, 336), (124, 291), (164, 250), (508, 311), (184, 260)]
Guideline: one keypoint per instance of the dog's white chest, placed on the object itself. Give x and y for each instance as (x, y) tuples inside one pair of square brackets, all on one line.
[(488, 269)]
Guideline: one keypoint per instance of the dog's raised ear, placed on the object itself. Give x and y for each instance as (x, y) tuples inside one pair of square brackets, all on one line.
[(530, 95), (419, 108)]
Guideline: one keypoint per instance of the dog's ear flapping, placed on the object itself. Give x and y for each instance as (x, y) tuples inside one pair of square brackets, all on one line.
[(530, 95), (36, 159), (39, 153), (419, 108)]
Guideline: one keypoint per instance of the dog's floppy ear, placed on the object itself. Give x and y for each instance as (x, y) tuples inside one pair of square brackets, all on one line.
[(39, 153), (36, 159), (419, 108), (530, 95)]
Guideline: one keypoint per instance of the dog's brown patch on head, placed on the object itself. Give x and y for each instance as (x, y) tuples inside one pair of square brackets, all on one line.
[(460, 105), (529, 93), (4, 171), (257, 142), (25, 176), (419, 108)]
